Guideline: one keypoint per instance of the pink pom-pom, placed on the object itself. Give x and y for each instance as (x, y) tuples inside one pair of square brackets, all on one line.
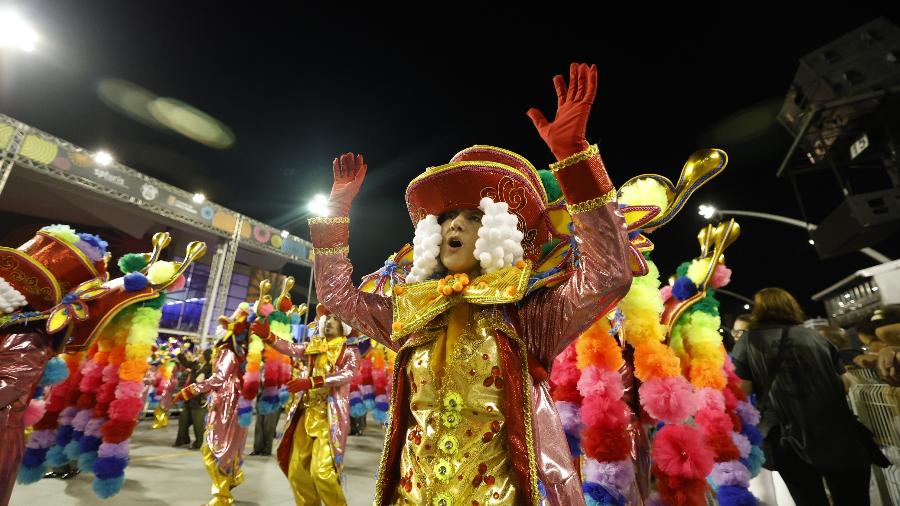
[(127, 389), (178, 284), (125, 410), (679, 450), (721, 276), (34, 412), (598, 411), (265, 310), (569, 416), (564, 372), (668, 399), (605, 383), (110, 373), (666, 293), (713, 421), (710, 398)]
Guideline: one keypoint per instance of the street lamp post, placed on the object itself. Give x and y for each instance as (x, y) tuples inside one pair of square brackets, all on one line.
[(708, 211)]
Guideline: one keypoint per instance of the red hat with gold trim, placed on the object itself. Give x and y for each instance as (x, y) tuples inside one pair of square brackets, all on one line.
[(485, 171), (41, 271)]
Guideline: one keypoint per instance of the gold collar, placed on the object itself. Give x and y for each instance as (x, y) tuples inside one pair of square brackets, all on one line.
[(416, 304)]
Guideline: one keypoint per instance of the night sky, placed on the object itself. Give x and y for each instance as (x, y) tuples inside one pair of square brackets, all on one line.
[(299, 86)]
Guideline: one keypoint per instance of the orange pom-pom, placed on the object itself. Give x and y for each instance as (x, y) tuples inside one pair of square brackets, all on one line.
[(655, 360), (707, 375), (596, 347), (133, 370)]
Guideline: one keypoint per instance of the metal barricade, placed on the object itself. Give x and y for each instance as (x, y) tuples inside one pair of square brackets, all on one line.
[(878, 407)]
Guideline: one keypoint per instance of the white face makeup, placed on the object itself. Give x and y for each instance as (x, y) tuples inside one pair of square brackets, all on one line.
[(459, 231)]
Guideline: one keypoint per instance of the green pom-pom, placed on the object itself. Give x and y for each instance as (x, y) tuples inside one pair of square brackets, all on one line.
[(156, 303), (548, 247), (132, 262), (682, 269), (551, 185), (279, 316), (707, 304)]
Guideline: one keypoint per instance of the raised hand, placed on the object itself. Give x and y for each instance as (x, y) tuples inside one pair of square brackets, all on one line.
[(566, 134), (349, 173)]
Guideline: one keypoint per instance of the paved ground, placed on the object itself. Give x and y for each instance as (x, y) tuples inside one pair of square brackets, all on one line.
[(162, 475)]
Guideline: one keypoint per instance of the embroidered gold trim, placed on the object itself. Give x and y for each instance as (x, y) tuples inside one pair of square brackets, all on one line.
[(329, 220), (337, 250), (579, 157), (590, 205)]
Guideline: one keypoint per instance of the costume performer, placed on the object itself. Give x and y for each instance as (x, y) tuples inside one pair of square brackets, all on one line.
[(225, 436), (41, 321), (33, 278), (472, 421), (311, 452), (165, 382)]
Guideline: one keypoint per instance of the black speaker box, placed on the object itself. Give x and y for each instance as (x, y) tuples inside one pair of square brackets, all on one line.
[(861, 221)]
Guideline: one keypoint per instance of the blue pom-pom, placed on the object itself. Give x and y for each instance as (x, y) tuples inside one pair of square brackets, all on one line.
[(38, 391), (90, 443), (601, 494), (251, 317), (106, 468), (77, 435), (357, 410), (55, 372), (753, 434), (757, 458), (29, 475), (684, 288), (735, 496), (574, 444), (34, 457), (380, 416), (64, 435), (369, 404), (86, 460), (283, 397), (108, 488), (381, 406), (95, 241), (56, 457), (73, 449), (244, 419), (135, 281), (266, 407), (245, 410)]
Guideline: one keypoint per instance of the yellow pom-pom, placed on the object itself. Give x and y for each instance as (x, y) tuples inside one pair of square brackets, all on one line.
[(697, 271), (644, 192), (161, 272)]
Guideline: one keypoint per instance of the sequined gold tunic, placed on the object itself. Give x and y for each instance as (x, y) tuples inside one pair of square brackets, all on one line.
[(456, 442)]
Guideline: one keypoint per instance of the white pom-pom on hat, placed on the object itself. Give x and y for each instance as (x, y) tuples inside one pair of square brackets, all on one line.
[(427, 247)]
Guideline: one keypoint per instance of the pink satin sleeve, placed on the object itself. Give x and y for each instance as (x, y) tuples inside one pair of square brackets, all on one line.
[(554, 317), (288, 348), (345, 370), (368, 313), (22, 361), (225, 365)]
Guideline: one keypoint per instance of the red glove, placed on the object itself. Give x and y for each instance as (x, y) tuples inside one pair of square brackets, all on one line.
[(298, 385), (566, 134), (349, 173), (185, 394), (261, 328)]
